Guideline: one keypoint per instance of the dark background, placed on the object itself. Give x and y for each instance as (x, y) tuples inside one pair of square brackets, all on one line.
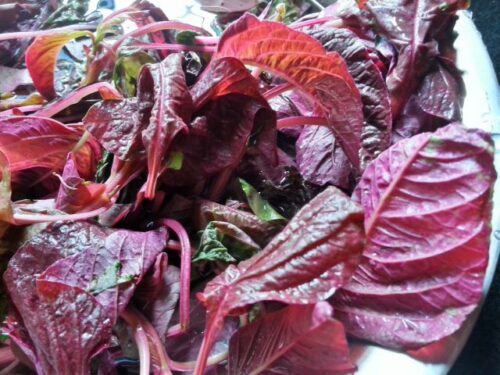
[(481, 355)]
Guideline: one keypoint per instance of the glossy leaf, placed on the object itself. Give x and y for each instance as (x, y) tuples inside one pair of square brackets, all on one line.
[(164, 84), (73, 327), (427, 202), (314, 255), (42, 145), (414, 27), (260, 231), (55, 242), (259, 205), (117, 125), (299, 339), (75, 194), (41, 58), (323, 78), (125, 254)]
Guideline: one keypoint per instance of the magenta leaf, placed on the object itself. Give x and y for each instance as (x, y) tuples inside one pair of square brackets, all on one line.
[(75, 194), (303, 62), (158, 295), (427, 202), (320, 158), (314, 255), (164, 84), (116, 124), (72, 327), (376, 133), (42, 145), (57, 241), (112, 268), (299, 339)]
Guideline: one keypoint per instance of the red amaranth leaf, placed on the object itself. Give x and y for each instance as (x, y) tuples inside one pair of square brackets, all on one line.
[(72, 327), (314, 255), (75, 194), (427, 202), (112, 268), (41, 57), (116, 124), (42, 145), (299, 339), (304, 63), (165, 85)]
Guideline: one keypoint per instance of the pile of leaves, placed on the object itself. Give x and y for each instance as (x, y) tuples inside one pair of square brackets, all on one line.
[(176, 201)]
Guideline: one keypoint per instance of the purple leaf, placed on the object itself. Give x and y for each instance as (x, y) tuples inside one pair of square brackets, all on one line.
[(164, 84), (427, 203), (376, 133), (111, 269), (72, 327), (55, 242), (116, 124), (299, 339), (158, 294), (75, 194), (320, 158)]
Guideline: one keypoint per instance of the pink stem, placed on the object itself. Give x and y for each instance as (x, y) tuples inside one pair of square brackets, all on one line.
[(10, 368), (174, 245), (175, 330), (185, 269), (206, 40), (212, 328), (332, 21), (190, 365), (6, 355), (173, 47), (115, 14), (34, 34), (157, 26), (105, 89), (23, 219), (134, 318), (277, 90), (141, 340), (24, 109), (290, 122)]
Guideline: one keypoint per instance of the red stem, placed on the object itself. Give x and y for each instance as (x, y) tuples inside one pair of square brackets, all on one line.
[(157, 26), (135, 319), (212, 328), (173, 47), (206, 40), (6, 356), (332, 21), (181, 233), (141, 340), (277, 90), (24, 109), (24, 219), (105, 89), (34, 34), (290, 122)]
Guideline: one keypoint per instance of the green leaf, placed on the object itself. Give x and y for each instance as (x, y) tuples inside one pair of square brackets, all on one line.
[(259, 205), (69, 12), (109, 279), (175, 160), (127, 70), (224, 242), (186, 37)]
